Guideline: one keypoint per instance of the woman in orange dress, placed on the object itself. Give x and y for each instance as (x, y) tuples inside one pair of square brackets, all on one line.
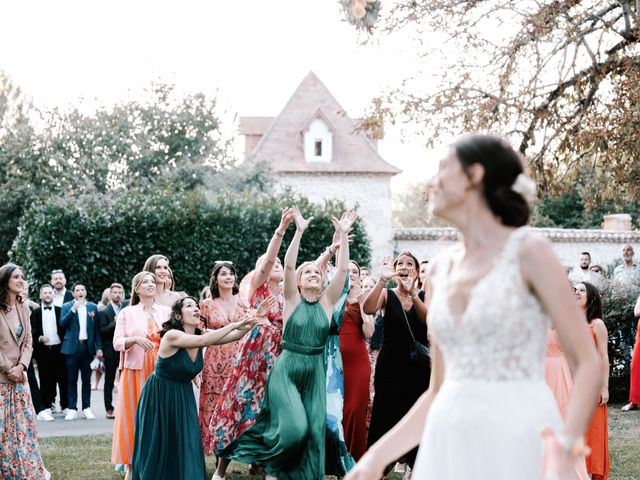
[(137, 337), (597, 436), (558, 377), (223, 308)]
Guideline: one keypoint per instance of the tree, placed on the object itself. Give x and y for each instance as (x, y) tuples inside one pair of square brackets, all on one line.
[(410, 208), (167, 142), (561, 78)]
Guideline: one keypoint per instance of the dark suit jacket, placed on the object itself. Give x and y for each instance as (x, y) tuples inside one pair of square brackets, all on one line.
[(36, 327), (69, 320), (107, 324)]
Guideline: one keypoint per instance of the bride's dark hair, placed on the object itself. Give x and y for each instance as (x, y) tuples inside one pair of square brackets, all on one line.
[(502, 165)]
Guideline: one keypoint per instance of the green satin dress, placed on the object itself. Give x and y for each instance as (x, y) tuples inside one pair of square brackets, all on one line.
[(288, 438), (167, 443)]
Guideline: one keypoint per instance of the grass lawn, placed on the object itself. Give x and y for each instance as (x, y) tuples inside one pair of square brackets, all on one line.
[(88, 457)]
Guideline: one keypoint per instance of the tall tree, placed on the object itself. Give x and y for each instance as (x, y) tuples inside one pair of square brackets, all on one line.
[(166, 141), (561, 78)]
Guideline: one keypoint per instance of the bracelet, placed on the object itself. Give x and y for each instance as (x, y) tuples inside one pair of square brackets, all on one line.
[(574, 446), (279, 234), (383, 280)]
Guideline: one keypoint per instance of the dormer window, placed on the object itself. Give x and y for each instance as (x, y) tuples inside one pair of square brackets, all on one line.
[(318, 139)]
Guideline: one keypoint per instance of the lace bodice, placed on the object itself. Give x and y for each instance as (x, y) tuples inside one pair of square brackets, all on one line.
[(502, 335)]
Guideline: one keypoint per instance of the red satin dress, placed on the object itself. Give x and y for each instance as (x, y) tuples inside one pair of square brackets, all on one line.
[(357, 371), (634, 391)]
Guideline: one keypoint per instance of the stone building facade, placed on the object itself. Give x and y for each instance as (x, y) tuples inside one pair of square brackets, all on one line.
[(316, 150)]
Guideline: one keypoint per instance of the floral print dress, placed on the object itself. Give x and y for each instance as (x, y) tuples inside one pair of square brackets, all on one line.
[(243, 393), (218, 364)]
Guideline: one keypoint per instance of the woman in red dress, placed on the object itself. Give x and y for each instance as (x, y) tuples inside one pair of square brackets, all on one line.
[(221, 309), (356, 327), (597, 436), (634, 388)]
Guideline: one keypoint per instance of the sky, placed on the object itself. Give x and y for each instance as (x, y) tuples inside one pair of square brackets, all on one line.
[(250, 54)]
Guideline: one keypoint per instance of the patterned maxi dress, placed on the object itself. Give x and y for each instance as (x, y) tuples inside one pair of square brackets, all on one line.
[(218, 365), (243, 394)]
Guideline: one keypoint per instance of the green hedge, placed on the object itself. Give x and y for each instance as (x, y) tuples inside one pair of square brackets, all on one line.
[(617, 303), (108, 240)]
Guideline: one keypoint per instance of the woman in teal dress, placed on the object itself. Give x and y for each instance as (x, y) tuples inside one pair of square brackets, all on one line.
[(167, 442), (288, 438)]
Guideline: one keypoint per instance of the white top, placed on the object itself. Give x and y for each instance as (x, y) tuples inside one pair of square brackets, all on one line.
[(58, 298), (49, 326), (82, 319)]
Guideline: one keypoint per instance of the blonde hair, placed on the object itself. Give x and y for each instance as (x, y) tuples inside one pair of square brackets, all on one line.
[(302, 267), (135, 284)]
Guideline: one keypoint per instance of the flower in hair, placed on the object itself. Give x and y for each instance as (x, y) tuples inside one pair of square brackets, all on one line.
[(525, 186)]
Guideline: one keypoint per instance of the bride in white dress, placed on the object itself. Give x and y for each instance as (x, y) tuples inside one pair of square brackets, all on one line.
[(494, 298)]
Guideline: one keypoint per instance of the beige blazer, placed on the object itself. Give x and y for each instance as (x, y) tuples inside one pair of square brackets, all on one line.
[(12, 350)]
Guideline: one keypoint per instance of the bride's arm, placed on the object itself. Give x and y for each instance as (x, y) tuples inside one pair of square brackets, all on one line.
[(546, 277), (406, 434)]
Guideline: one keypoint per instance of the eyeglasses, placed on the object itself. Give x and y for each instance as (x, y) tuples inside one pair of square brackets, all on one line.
[(222, 262)]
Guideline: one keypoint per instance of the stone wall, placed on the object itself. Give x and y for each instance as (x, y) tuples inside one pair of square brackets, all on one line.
[(603, 245), (372, 192)]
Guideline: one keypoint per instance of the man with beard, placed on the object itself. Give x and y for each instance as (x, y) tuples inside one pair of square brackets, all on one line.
[(582, 273), (60, 294), (627, 273)]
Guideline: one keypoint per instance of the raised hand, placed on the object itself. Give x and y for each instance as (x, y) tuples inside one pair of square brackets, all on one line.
[(386, 271), (265, 306), (301, 222), (343, 226), (285, 220), (408, 283)]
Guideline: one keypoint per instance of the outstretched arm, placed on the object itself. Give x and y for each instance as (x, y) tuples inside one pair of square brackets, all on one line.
[(291, 257), (377, 297), (264, 268), (342, 226)]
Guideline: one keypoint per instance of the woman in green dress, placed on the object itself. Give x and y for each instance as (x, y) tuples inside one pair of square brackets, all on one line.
[(167, 443), (288, 438)]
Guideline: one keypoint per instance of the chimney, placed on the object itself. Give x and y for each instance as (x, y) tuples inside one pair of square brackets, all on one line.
[(620, 222)]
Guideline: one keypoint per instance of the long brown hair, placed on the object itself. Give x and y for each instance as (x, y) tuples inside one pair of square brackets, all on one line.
[(138, 278), (594, 302), (5, 275), (175, 321), (213, 281)]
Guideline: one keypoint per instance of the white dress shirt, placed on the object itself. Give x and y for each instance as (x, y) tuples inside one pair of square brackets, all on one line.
[(49, 326), (58, 298), (82, 319)]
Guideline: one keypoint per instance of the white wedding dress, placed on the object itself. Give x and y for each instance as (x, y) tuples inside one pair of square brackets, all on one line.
[(485, 422)]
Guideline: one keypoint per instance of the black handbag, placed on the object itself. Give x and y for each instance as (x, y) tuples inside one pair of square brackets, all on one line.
[(419, 352)]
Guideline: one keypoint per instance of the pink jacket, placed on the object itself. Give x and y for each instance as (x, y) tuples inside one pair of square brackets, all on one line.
[(132, 322)]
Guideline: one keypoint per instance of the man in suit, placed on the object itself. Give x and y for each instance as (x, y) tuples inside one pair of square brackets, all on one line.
[(60, 293), (107, 323), (80, 346), (47, 341)]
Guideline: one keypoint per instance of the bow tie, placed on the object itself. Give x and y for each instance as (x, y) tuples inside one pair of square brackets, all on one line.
[(48, 308)]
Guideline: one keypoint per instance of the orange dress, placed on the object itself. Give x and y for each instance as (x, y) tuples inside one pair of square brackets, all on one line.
[(129, 389), (558, 377), (597, 437)]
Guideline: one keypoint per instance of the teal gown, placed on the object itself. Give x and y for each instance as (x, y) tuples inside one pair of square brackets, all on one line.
[(167, 442), (288, 438)]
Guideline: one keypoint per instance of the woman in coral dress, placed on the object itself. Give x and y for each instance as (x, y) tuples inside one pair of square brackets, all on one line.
[(597, 436), (356, 328), (558, 377), (243, 394), (137, 336), (223, 308)]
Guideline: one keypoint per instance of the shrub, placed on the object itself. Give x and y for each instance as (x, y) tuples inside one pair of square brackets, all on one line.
[(617, 303), (108, 239)]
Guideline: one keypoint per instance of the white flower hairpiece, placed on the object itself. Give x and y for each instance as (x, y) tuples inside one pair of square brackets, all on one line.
[(526, 187)]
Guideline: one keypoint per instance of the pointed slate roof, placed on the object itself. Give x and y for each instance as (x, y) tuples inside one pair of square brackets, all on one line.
[(282, 145)]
